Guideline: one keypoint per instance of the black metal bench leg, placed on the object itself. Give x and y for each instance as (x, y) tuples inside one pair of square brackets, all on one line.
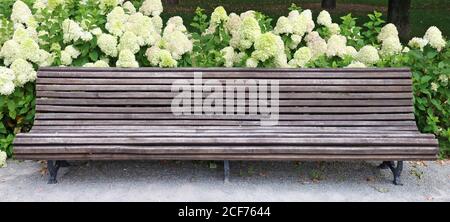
[(53, 167), (226, 171), (396, 170)]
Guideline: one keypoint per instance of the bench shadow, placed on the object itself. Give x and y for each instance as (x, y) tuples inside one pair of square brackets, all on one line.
[(211, 172)]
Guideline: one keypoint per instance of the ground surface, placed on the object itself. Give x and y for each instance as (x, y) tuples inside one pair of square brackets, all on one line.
[(200, 181)]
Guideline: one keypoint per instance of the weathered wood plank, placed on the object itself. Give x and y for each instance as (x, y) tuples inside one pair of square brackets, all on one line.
[(132, 149), (262, 157), (223, 140), (114, 103), (130, 95)]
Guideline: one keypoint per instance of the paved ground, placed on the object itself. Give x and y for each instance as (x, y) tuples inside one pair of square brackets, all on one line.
[(200, 181)]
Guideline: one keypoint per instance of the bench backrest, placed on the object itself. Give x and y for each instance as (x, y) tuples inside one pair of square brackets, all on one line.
[(319, 99)]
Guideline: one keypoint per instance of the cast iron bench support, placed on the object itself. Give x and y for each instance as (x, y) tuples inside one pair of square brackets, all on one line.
[(226, 171), (53, 168), (396, 170)]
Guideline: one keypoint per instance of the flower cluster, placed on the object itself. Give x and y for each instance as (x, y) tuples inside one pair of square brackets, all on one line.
[(21, 51)]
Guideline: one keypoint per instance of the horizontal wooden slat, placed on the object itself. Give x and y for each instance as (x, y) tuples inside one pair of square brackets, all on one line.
[(114, 103), (400, 125), (319, 129), (130, 95), (219, 134), (261, 157), (304, 82), (133, 149), (224, 140)]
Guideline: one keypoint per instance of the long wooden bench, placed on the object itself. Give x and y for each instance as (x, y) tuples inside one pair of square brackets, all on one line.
[(324, 114)]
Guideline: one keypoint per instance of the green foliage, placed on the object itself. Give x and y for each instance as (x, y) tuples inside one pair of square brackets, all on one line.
[(17, 115), (373, 27), (351, 31)]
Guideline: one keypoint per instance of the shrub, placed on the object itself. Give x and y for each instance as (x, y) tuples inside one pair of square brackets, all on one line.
[(90, 33)]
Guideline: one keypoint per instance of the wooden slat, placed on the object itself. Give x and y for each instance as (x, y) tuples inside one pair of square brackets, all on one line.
[(200, 128), (130, 95), (219, 134), (92, 103), (133, 149), (223, 140), (261, 157)]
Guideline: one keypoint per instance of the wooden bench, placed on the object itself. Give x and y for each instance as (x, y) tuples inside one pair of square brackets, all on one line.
[(324, 114)]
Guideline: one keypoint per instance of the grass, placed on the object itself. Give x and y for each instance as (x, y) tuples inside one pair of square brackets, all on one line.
[(424, 13)]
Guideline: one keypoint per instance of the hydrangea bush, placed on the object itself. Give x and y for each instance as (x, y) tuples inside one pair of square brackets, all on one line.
[(118, 33)]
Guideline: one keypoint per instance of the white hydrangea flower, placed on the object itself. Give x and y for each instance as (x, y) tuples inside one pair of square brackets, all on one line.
[(21, 13), (52, 4), (301, 57), (104, 4), (317, 45), (130, 42), (160, 57), (283, 26), (219, 15), (174, 24), (324, 18), (97, 64), (434, 86), (298, 22), (66, 59), (29, 49), (334, 29), (356, 64), (444, 79), (267, 46), (45, 59), (249, 31), (246, 14), (151, 7), (178, 44), (108, 44), (72, 51), (21, 34), (40, 4), (307, 14), (127, 59), (368, 55), (336, 46), (391, 46), (10, 52), (228, 55), (157, 23), (233, 23), (116, 21), (389, 30), (351, 51), (417, 43), (251, 63), (97, 31), (129, 7), (434, 37), (72, 31), (3, 157), (296, 39), (23, 72), (142, 27), (405, 49), (6, 81)]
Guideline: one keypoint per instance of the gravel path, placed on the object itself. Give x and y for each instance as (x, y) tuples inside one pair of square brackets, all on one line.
[(202, 181)]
